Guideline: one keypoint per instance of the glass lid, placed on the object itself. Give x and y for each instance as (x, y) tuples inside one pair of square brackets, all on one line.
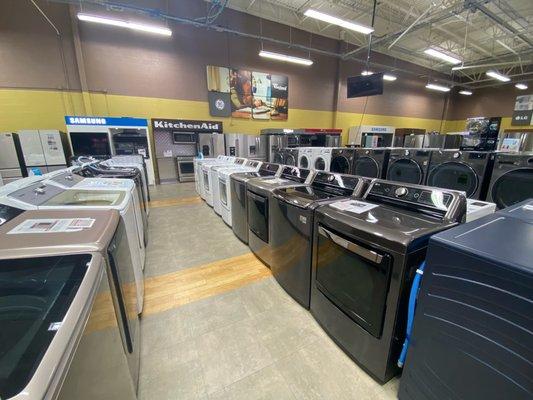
[(35, 295), (308, 193), (87, 198)]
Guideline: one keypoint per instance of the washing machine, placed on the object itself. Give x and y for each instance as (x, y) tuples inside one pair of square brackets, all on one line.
[(278, 156), (365, 256), (371, 163), (50, 197), (342, 159), (409, 165), (213, 178), (472, 332), (239, 203), (221, 184), (132, 161), (322, 158), (197, 162), (203, 174), (290, 156), (305, 157), (291, 217), (69, 326), (259, 198), (512, 179)]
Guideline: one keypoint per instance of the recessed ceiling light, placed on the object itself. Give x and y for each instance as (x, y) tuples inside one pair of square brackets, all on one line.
[(367, 73), (389, 77), (440, 88), (498, 76), (330, 19), (465, 92), (521, 86), (160, 30), (284, 57), (442, 55)]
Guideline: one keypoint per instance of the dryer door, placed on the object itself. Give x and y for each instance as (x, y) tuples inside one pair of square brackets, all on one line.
[(456, 176), (304, 162), (513, 187), (320, 164), (366, 166), (278, 158), (405, 170), (340, 164), (290, 160)]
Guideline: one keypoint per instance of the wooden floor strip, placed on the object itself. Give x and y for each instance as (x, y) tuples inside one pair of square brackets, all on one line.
[(176, 201)]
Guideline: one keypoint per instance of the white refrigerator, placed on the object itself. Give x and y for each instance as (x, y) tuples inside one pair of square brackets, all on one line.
[(44, 150)]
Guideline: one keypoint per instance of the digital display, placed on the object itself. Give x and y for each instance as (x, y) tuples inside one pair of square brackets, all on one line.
[(361, 86)]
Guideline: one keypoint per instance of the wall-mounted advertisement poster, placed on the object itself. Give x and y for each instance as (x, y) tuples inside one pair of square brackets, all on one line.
[(523, 111), (250, 94)]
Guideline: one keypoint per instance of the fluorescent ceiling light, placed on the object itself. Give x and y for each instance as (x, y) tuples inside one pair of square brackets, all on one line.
[(389, 77), (465, 92), (440, 88), (442, 55), (498, 76), (330, 19), (367, 73), (160, 30), (521, 86), (284, 57)]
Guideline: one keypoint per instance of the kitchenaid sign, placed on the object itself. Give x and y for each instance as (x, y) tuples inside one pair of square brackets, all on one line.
[(182, 125)]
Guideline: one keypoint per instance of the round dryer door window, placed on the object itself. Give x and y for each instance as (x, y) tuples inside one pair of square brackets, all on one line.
[(455, 176), (290, 160), (513, 187), (320, 164), (366, 166), (340, 165), (405, 170), (304, 162), (278, 159)]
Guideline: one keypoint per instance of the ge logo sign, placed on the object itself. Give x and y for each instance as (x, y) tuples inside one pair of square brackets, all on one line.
[(219, 104)]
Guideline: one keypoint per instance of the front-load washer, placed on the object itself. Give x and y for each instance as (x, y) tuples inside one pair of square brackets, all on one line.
[(305, 157), (371, 163), (322, 158), (259, 198), (467, 171), (472, 331), (365, 256), (291, 217), (39, 196), (213, 178), (512, 179), (342, 159), (409, 165), (197, 162), (290, 156), (278, 155), (69, 321), (239, 203)]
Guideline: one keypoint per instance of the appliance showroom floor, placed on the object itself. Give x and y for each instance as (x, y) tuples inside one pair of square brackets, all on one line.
[(216, 325)]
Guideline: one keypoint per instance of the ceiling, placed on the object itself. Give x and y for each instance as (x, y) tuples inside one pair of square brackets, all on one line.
[(495, 34)]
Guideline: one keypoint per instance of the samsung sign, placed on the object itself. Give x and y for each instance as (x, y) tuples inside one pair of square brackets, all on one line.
[(106, 121), (181, 125)]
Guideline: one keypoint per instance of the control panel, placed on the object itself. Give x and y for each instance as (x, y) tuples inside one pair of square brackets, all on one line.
[(36, 194), (295, 173), (270, 167), (414, 194), (66, 179), (338, 180)]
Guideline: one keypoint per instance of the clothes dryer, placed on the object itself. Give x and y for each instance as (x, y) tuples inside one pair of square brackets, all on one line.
[(239, 203), (213, 178), (322, 158), (67, 307), (365, 254), (291, 225), (342, 159), (467, 171), (305, 157), (198, 169), (371, 163), (290, 156), (409, 165), (512, 179)]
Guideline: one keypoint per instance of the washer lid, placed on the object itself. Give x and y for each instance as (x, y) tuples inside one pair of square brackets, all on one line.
[(87, 198)]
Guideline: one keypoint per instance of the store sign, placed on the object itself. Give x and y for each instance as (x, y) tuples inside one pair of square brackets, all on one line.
[(182, 125), (376, 129), (105, 121), (523, 111), (522, 118)]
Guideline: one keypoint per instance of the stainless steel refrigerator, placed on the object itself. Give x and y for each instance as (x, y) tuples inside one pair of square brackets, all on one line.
[(12, 165), (211, 144), (244, 145), (44, 150)]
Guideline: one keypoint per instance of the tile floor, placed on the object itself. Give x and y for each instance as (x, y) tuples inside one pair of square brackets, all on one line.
[(254, 342)]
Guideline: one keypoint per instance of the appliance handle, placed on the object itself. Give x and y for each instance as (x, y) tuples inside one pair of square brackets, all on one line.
[(354, 248), (256, 197)]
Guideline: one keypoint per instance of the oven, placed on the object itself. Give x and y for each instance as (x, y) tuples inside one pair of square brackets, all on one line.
[(354, 277), (258, 215), (185, 166)]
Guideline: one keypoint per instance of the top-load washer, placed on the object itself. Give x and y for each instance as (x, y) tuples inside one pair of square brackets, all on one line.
[(512, 179), (291, 217), (467, 171), (472, 325), (342, 159), (290, 156), (322, 158), (39, 196), (305, 157), (365, 256), (239, 203), (133, 161), (213, 178), (259, 198), (409, 165), (371, 163), (69, 324)]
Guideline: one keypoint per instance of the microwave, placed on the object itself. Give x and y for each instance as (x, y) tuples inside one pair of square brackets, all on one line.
[(184, 137)]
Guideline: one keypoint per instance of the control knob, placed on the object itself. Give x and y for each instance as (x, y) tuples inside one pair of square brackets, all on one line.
[(331, 178), (401, 191)]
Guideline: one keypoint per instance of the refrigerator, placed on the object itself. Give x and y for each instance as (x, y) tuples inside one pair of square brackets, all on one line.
[(44, 150), (244, 145), (211, 144), (12, 165)]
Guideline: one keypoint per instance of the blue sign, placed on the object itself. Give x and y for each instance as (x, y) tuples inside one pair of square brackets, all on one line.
[(105, 121)]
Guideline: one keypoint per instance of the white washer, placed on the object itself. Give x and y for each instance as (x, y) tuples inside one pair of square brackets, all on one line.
[(322, 158), (202, 180), (305, 157), (209, 184), (50, 197)]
